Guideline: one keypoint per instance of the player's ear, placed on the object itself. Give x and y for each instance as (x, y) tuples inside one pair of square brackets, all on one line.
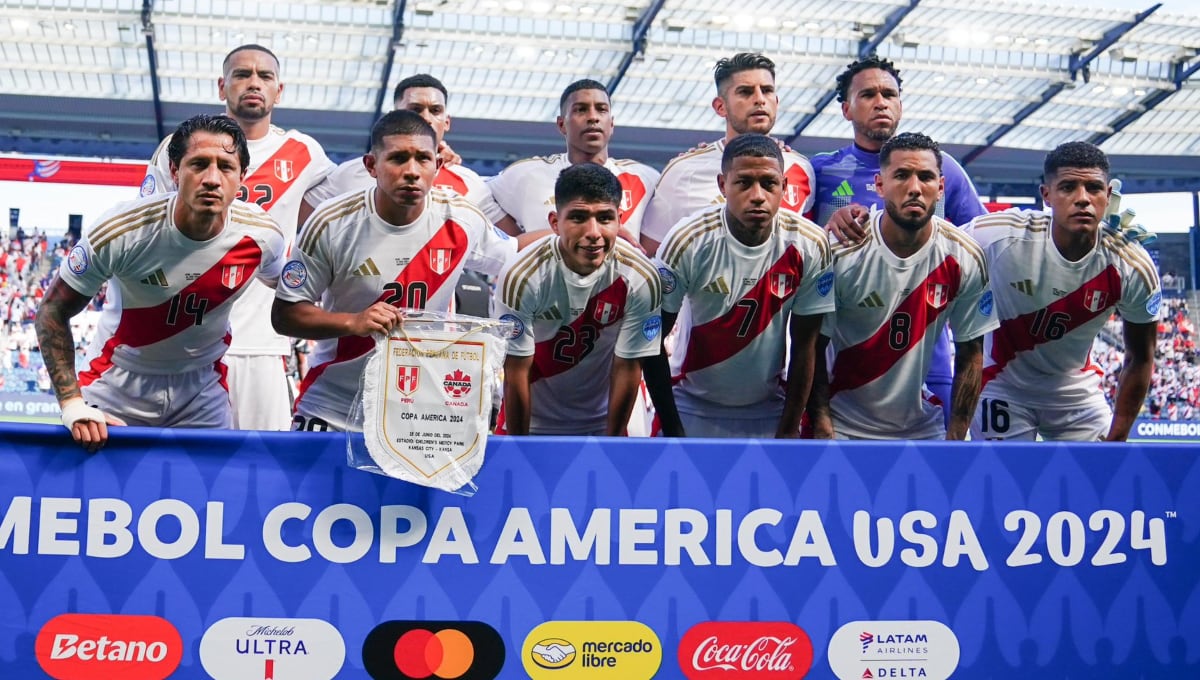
[(175, 173), (721, 183), (878, 181), (562, 127), (718, 105), (941, 187), (553, 218), (446, 126), (221, 87), (369, 164), (846, 110)]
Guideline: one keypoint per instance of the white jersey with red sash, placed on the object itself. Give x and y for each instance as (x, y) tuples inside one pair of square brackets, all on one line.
[(890, 311), (349, 258), (169, 312), (689, 184), (730, 346), (284, 164), (1051, 309), (352, 175), (573, 325), (525, 191)]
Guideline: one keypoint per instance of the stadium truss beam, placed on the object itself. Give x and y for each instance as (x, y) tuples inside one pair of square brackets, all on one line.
[(640, 29), (1079, 65), (865, 47), (152, 59), (397, 36), (1179, 75)]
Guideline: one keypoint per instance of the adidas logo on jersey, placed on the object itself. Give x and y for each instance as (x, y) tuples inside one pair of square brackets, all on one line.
[(551, 314), (719, 286), (844, 190), (158, 278), (367, 268), (872, 300), (1023, 286)]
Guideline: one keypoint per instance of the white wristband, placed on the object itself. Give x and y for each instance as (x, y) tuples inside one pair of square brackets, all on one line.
[(75, 410)]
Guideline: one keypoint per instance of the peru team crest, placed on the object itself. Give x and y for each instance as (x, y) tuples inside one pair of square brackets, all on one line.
[(606, 313), (937, 295), (284, 170), (1095, 300), (407, 379), (781, 285), (626, 200), (232, 275), (439, 260), (792, 194)]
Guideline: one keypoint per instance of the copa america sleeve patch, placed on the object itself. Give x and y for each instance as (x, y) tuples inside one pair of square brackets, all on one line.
[(825, 284), (518, 326), (668, 279), (78, 260), (985, 303), (651, 327), (148, 186), (501, 233), (294, 274), (1154, 303)]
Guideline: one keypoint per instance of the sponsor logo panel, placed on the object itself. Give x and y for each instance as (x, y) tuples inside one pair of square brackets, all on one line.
[(288, 649), (571, 650), (893, 649), (440, 650), (745, 650), (106, 646)]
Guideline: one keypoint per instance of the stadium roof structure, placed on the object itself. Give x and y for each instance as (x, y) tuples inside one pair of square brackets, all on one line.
[(997, 83)]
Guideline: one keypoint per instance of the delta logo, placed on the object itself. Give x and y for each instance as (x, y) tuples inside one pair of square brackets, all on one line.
[(746, 650), (106, 646), (441, 650), (238, 648), (580, 650), (893, 649)]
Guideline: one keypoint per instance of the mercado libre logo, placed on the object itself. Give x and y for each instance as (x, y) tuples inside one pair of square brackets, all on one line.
[(579, 650), (106, 646), (272, 648), (438, 650), (893, 649), (745, 650)]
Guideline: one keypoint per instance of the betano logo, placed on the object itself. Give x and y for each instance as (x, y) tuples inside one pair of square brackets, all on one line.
[(445, 650), (745, 650), (287, 649), (571, 650), (105, 646)]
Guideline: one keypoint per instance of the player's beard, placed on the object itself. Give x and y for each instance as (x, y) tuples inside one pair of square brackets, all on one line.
[(253, 113), (906, 223), (880, 135)]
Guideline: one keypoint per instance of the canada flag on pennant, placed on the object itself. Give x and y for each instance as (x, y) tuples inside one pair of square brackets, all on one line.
[(1094, 299), (407, 379), (937, 295), (232, 275), (284, 170), (439, 260), (781, 285)]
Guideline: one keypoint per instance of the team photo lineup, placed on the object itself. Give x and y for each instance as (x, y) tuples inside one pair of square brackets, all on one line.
[(745, 291)]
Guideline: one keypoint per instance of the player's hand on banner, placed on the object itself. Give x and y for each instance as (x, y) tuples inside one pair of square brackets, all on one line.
[(88, 425), (448, 155), (1117, 221), (380, 317), (848, 224)]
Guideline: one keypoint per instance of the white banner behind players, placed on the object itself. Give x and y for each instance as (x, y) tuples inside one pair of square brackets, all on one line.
[(426, 400)]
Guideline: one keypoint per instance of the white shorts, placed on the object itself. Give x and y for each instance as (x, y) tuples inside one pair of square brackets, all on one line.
[(726, 428), (260, 392), (192, 399), (305, 421), (1000, 419)]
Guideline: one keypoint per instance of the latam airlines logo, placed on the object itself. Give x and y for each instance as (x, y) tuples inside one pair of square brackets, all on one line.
[(104, 646), (773, 650), (893, 649), (269, 648), (439, 650)]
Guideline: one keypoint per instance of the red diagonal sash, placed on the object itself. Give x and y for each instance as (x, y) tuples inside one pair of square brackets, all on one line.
[(576, 340), (633, 192), (868, 360), (266, 185)]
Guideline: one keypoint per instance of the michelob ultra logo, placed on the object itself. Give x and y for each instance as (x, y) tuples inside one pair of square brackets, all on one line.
[(567, 650), (272, 649), (106, 646), (893, 649), (441, 650)]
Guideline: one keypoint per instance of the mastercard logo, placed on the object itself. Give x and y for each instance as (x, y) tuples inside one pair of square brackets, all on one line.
[(437, 650)]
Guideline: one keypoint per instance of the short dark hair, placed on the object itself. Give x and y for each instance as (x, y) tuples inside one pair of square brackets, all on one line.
[(400, 122), (867, 63), (216, 124), (910, 141), (585, 84), (750, 144), (742, 61), (590, 182), (243, 48), (419, 80), (1075, 155)]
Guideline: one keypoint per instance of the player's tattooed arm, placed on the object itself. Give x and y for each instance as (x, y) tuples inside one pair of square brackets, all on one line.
[(53, 326), (968, 382)]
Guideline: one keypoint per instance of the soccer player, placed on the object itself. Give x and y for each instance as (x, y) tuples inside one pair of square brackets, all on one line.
[(364, 255), (747, 100), (178, 261), (896, 289), (284, 164), (1057, 277), (523, 195), (426, 96), (742, 266), (586, 306), (869, 90)]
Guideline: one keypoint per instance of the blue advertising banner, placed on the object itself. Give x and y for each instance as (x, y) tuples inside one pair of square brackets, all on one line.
[(1145, 429), (241, 556)]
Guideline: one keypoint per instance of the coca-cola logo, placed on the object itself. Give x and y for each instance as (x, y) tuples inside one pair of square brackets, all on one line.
[(747, 650)]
